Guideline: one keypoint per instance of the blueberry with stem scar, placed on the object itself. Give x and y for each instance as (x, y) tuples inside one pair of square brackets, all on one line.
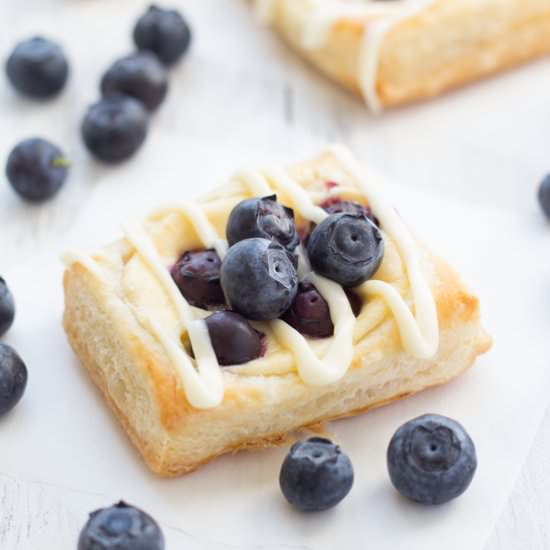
[(197, 275), (316, 475), (346, 248), (121, 527), (264, 218), (431, 459), (259, 279)]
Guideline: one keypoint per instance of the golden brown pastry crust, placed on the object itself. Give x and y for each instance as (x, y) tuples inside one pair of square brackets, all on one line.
[(143, 389), (445, 45)]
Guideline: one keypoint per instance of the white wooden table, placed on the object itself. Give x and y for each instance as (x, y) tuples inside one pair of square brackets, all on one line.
[(237, 75)]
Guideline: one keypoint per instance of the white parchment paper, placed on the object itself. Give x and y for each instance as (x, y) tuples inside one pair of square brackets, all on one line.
[(62, 432)]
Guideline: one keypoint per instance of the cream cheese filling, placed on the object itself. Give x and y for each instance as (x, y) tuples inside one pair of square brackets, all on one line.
[(316, 363)]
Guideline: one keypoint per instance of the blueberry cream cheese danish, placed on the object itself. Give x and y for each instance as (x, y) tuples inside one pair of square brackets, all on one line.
[(283, 299), (396, 51)]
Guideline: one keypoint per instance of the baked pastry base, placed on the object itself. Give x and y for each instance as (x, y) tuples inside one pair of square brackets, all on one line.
[(143, 389), (446, 45)]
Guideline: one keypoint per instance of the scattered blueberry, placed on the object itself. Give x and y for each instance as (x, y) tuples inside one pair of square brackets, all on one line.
[(259, 279), (38, 68), (316, 475), (234, 340), (346, 248), (163, 32), (121, 527), (37, 169), (114, 128), (13, 378), (339, 206), (431, 459), (309, 313), (141, 76), (544, 196), (197, 275), (264, 218), (7, 308)]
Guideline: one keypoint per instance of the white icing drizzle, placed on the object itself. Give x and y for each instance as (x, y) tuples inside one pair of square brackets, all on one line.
[(304, 266), (339, 355), (371, 46), (300, 200), (203, 384), (419, 336), (76, 257), (198, 219), (255, 181), (324, 13), (317, 29)]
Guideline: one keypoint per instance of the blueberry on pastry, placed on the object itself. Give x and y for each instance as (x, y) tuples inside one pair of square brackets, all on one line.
[(188, 384), (197, 275), (309, 313), (259, 279), (335, 205), (233, 338), (346, 248), (264, 218)]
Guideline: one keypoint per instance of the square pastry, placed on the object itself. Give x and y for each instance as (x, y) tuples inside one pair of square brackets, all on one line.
[(286, 298), (397, 51)]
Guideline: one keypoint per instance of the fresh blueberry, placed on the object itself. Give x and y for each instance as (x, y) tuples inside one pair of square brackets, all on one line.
[(7, 308), (346, 248), (544, 196), (37, 169), (264, 218), (259, 279), (114, 128), (316, 475), (121, 527), (431, 459), (339, 206), (38, 68), (141, 76), (13, 378), (197, 275), (309, 313), (163, 32), (234, 340)]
